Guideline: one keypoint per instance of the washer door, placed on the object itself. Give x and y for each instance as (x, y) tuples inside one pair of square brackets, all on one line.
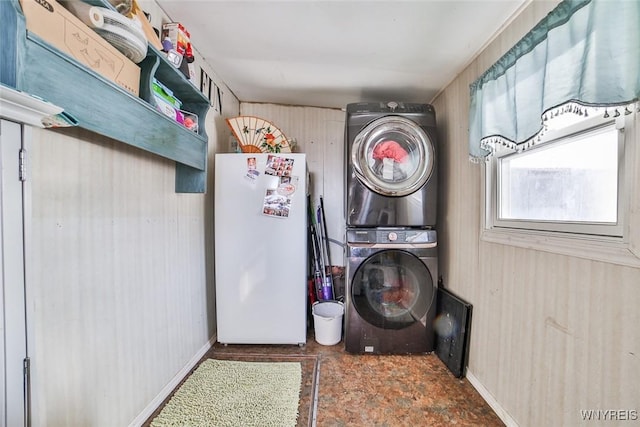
[(393, 156), (392, 289)]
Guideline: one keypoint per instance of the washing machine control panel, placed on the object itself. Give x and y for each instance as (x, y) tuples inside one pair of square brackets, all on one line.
[(395, 235)]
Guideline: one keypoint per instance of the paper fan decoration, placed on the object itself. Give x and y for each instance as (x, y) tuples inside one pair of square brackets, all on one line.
[(256, 135)]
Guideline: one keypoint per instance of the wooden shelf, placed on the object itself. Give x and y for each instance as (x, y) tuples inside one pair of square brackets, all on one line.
[(32, 65)]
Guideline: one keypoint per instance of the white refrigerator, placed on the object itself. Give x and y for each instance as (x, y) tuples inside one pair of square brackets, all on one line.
[(261, 248)]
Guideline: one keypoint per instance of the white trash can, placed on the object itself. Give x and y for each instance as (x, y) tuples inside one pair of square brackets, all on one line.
[(327, 321)]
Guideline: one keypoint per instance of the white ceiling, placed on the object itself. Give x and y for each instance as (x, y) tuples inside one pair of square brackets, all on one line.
[(331, 53)]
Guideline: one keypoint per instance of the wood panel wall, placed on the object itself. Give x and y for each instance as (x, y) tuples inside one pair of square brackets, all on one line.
[(319, 133), (552, 334), (120, 275)]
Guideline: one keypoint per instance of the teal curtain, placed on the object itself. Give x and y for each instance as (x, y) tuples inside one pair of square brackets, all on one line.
[(584, 53)]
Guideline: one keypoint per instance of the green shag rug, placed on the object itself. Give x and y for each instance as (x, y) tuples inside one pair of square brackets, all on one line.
[(233, 393)]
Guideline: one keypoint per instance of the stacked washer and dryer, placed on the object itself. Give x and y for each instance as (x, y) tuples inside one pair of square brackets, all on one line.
[(392, 255)]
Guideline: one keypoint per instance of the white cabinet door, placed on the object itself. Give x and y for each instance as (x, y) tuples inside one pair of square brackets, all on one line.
[(13, 349)]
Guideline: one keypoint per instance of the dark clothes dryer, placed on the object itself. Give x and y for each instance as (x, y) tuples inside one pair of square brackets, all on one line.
[(391, 168)]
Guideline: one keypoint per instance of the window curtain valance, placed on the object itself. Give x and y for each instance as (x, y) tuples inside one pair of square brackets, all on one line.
[(584, 53)]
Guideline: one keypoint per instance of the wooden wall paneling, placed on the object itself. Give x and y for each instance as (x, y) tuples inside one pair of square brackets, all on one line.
[(122, 275), (552, 334), (528, 337), (120, 272), (334, 189), (313, 134), (116, 272), (550, 328), (13, 319), (219, 142), (634, 217), (445, 113), (319, 133)]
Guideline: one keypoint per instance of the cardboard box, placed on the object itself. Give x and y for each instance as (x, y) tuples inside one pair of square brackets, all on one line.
[(151, 35), (59, 27)]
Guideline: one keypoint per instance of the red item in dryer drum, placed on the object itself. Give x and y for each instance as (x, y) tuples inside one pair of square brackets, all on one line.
[(390, 150)]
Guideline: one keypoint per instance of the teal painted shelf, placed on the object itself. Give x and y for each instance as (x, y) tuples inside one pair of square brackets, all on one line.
[(32, 65)]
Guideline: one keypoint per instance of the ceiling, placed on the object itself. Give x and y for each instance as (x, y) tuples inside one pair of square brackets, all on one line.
[(331, 53)]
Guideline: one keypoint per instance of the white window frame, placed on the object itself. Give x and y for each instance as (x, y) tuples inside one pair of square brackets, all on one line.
[(623, 249)]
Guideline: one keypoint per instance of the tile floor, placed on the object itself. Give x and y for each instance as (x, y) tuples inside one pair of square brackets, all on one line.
[(371, 390)]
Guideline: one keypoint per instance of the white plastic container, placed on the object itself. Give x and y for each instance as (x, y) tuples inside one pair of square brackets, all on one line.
[(327, 321)]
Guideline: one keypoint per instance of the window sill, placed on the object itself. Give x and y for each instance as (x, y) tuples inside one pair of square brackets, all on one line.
[(609, 250)]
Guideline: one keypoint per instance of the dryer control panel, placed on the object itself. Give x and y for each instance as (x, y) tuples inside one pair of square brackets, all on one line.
[(391, 235), (389, 107)]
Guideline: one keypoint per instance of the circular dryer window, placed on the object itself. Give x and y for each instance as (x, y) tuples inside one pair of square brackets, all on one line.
[(393, 156), (392, 289)]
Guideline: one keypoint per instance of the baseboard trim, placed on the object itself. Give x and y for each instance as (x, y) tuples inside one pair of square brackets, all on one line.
[(166, 391), (488, 397)]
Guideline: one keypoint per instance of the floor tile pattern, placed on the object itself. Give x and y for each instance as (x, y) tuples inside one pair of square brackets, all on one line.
[(371, 390)]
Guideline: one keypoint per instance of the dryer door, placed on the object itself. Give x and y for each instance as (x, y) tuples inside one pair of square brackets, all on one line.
[(392, 289), (393, 156)]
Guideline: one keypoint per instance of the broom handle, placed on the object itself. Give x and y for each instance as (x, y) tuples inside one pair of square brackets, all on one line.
[(318, 273), (325, 245), (326, 234)]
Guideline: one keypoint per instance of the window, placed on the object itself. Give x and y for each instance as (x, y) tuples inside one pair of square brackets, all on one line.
[(574, 190), (569, 182), (570, 193)]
